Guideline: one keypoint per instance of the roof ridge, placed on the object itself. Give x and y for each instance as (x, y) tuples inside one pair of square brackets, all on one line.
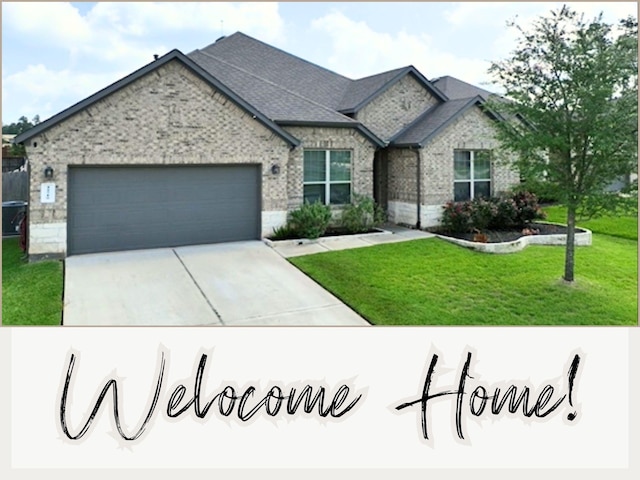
[(241, 34), (280, 87), (386, 72)]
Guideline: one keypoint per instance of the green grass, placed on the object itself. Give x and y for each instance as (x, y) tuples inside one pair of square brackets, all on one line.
[(31, 292), (623, 227), (433, 282)]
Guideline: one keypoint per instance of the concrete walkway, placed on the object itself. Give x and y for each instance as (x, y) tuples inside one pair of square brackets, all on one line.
[(391, 234), (241, 283)]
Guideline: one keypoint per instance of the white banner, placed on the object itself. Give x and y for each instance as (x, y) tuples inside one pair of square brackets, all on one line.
[(411, 398)]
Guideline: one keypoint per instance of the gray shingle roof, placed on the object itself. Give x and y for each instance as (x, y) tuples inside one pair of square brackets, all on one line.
[(455, 88), (275, 101), (278, 89), (298, 76), (288, 71), (426, 126)]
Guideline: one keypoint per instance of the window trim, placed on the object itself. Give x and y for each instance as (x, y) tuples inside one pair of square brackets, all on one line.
[(472, 180), (327, 182)]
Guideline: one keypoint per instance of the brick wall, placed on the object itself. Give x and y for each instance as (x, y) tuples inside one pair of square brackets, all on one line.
[(396, 108), (331, 138), (169, 116)]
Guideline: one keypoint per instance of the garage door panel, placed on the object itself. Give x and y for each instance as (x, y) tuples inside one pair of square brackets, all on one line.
[(124, 208)]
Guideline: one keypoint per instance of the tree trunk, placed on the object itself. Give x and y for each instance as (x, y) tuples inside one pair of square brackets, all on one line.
[(569, 258)]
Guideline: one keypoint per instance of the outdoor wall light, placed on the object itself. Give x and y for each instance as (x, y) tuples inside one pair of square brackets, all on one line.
[(48, 172), (275, 169)]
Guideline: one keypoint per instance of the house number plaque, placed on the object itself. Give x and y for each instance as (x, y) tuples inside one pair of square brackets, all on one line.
[(48, 193)]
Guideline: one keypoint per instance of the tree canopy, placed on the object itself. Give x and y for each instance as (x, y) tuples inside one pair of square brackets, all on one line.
[(571, 104), (22, 125)]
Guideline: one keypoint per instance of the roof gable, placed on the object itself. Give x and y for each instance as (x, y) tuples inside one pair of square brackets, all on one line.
[(122, 83), (437, 118), (361, 92)]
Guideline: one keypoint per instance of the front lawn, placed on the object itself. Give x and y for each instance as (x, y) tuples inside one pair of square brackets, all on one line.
[(31, 292), (433, 282), (623, 227)]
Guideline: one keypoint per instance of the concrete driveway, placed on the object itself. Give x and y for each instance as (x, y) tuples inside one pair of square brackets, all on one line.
[(241, 283)]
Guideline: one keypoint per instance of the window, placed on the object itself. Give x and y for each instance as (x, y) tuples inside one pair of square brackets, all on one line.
[(327, 176), (472, 174)]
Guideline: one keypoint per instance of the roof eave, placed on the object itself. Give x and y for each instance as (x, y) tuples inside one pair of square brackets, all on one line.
[(407, 145), (355, 125)]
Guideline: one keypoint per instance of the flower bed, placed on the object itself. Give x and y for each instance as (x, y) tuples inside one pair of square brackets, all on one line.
[(509, 241)]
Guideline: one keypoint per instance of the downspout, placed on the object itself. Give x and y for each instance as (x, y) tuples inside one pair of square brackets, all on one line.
[(418, 186)]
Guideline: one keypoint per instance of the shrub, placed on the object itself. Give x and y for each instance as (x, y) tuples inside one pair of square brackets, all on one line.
[(285, 232), (515, 211), (483, 211), (528, 208), (456, 217), (310, 220), (506, 214), (362, 215)]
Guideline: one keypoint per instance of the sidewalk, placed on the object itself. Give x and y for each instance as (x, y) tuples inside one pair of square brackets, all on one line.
[(391, 234)]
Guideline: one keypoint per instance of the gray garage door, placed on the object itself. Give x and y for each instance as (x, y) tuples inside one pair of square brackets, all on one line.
[(127, 208)]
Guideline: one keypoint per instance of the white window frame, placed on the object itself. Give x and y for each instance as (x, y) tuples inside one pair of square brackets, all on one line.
[(472, 180), (327, 182)]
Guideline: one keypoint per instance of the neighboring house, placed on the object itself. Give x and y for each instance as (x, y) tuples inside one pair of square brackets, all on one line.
[(220, 144)]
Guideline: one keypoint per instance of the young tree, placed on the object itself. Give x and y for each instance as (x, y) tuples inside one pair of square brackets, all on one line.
[(571, 89)]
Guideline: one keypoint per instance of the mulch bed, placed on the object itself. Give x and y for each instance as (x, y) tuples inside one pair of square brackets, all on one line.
[(499, 236), (330, 232)]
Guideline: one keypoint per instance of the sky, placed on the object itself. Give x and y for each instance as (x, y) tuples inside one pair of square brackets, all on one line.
[(55, 54)]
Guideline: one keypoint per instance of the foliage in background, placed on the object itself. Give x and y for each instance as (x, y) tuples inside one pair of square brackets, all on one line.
[(22, 125)]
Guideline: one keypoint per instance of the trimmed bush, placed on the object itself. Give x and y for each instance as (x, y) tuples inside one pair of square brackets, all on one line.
[(362, 215), (310, 220)]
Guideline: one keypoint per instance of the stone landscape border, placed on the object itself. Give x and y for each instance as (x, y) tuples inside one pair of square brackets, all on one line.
[(330, 238), (583, 238)]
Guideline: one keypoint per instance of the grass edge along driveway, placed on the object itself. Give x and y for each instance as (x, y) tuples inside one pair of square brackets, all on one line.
[(31, 292), (433, 282)]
